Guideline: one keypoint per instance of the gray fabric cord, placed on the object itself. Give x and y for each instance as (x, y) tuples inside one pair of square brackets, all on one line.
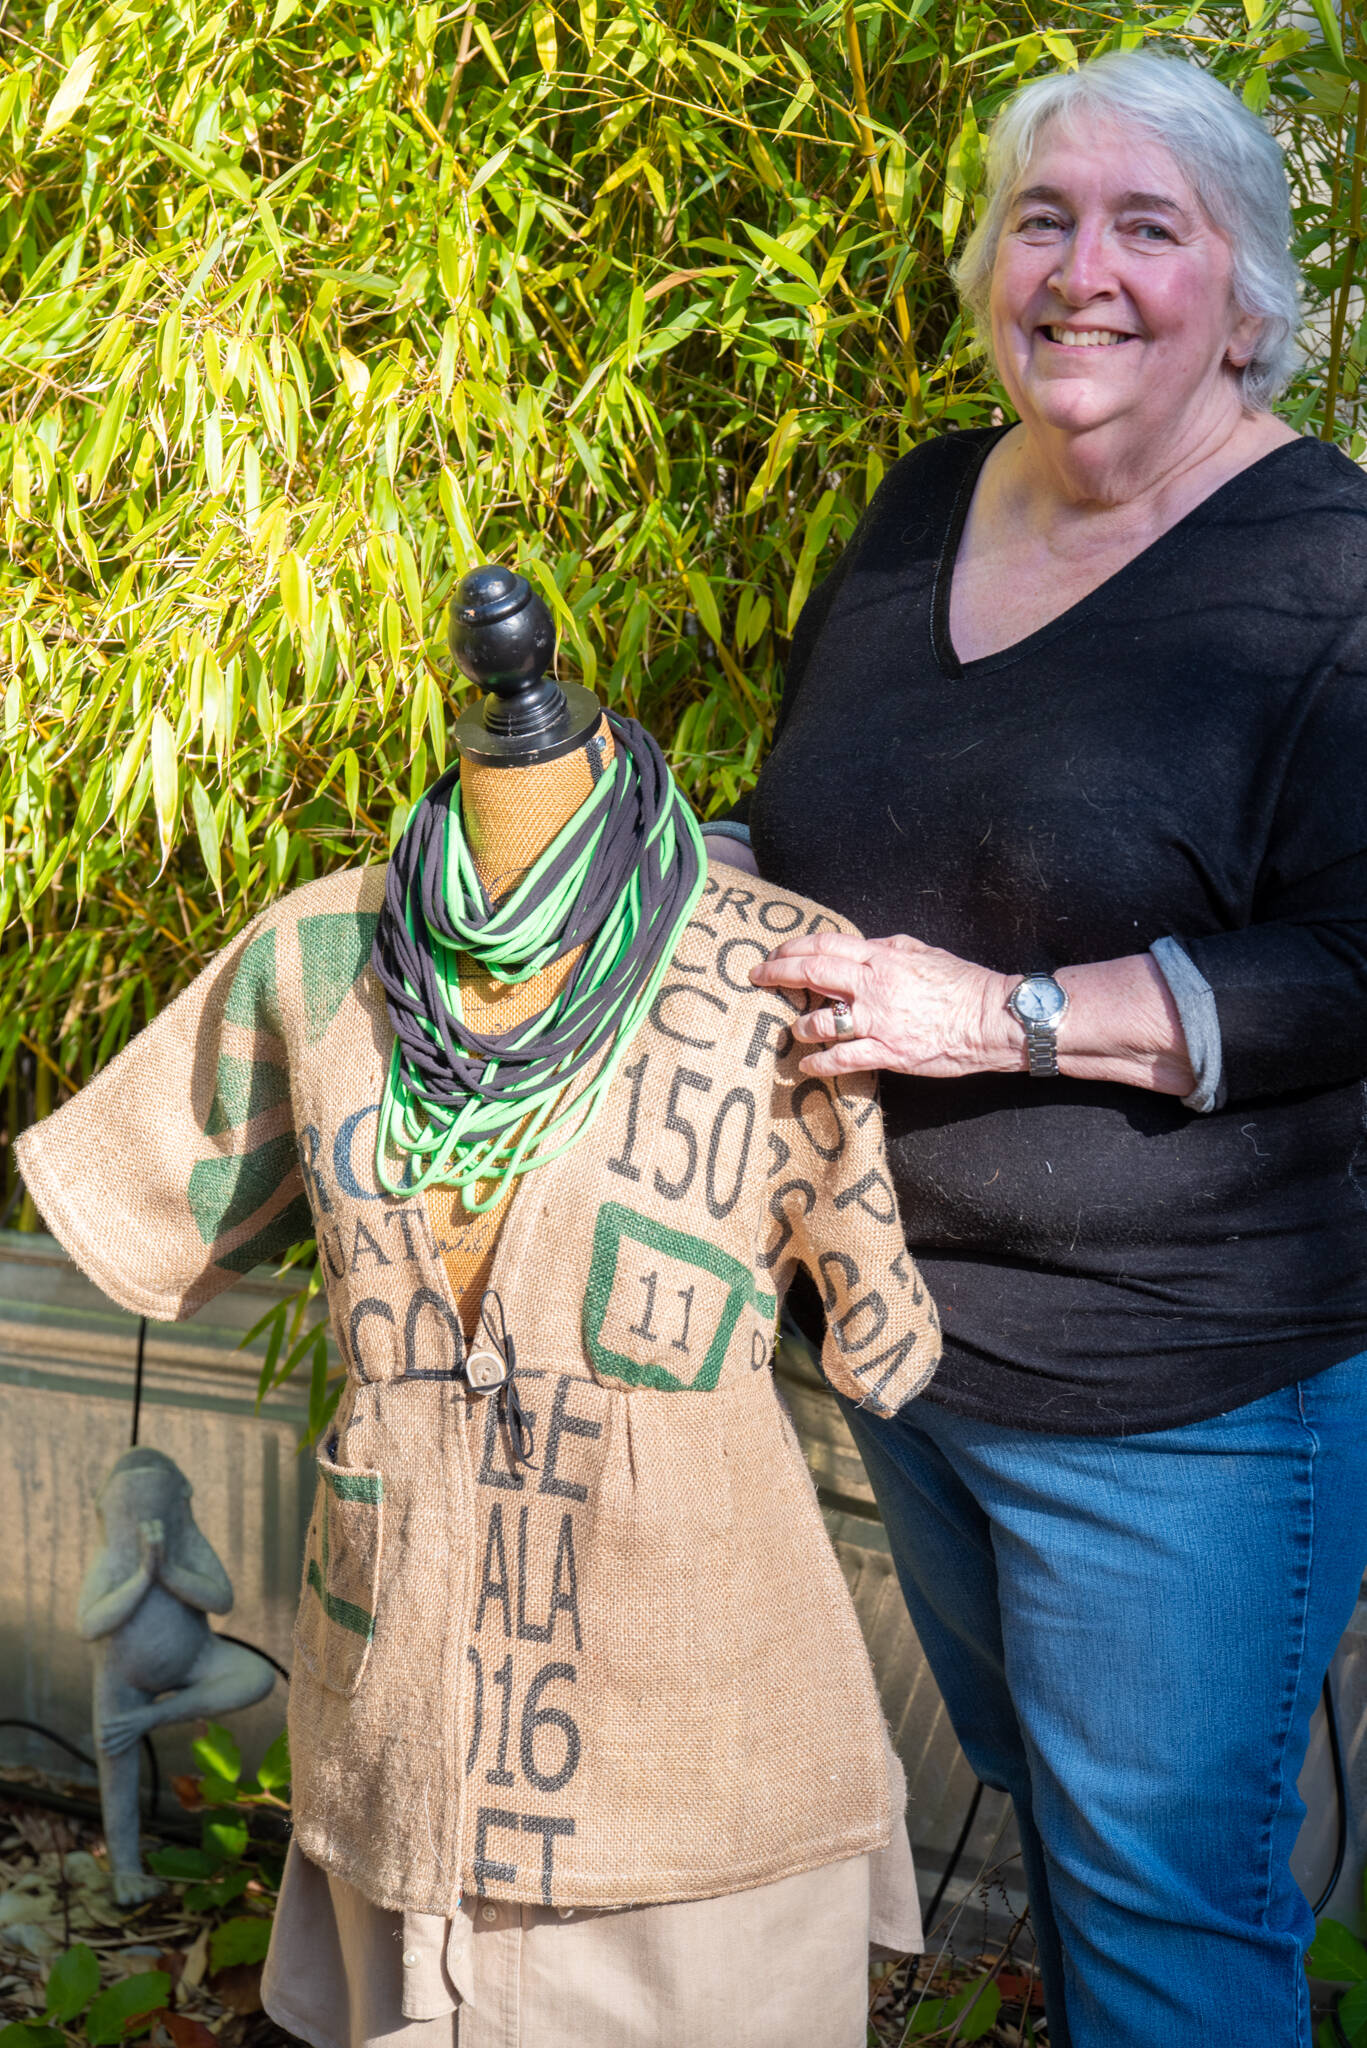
[(726, 828), (1195, 1000)]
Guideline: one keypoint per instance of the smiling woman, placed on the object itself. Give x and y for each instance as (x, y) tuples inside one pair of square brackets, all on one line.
[(1081, 713)]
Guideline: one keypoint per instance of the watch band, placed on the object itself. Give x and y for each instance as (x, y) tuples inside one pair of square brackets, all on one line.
[(1041, 1033), (1041, 1048)]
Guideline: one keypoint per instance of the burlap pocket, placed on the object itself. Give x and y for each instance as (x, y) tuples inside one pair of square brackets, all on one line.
[(336, 1620)]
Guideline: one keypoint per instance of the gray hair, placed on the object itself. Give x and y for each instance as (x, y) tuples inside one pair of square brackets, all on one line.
[(1231, 161)]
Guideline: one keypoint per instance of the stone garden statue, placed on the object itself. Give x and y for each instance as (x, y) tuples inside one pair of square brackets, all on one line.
[(144, 1605)]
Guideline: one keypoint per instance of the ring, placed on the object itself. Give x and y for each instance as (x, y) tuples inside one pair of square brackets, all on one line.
[(842, 1018)]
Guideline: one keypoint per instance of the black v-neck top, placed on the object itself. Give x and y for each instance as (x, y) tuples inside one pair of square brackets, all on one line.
[(1183, 752)]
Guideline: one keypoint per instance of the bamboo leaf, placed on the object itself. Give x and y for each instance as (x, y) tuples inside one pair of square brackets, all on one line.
[(296, 593), (355, 375), (206, 829), (636, 315), (543, 26), (165, 779), (490, 169), (704, 603), (1327, 16), (71, 93), (814, 540)]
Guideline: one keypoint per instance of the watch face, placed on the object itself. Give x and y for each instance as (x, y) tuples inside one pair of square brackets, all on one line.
[(1038, 1000)]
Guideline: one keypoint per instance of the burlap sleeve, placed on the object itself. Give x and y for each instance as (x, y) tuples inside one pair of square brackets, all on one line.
[(175, 1170), (834, 1209)]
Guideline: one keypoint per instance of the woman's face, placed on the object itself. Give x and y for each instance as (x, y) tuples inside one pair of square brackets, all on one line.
[(1111, 305)]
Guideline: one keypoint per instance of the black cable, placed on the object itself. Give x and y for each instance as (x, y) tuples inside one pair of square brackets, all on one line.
[(137, 1383), (268, 1829), (222, 1636), (443, 1061), (955, 1853), (51, 1735), (1331, 1722), (16, 1195)]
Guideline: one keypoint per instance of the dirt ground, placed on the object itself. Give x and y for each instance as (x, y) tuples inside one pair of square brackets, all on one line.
[(54, 1891)]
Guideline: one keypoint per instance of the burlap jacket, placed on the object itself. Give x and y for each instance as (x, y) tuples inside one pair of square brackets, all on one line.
[(630, 1671)]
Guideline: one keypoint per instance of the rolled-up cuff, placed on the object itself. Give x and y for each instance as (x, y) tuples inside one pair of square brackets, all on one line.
[(726, 828), (1195, 1000)]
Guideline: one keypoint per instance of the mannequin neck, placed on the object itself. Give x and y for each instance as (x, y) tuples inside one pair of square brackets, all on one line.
[(511, 815)]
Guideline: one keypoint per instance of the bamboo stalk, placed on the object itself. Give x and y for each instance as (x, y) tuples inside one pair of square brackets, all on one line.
[(1351, 253)]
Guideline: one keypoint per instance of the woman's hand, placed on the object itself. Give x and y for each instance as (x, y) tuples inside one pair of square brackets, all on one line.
[(916, 1010)]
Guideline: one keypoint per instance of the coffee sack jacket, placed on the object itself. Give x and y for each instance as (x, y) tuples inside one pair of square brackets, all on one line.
[(627, 1670)]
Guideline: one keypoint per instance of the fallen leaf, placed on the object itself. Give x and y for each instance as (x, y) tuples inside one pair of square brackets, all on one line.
[(21, 1905), (185, 2032), (1020, 1989), (187, 1791), (31, 1940), (667, 284), (196, 1961), (172, 1960), (238, 1987), (83, 1873)]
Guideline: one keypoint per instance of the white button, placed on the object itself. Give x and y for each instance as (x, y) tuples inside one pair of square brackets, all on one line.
[(410, 1959), (566, 1912), (488, 1912)]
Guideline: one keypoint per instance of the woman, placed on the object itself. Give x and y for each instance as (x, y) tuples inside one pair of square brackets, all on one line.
[(1083, 708)]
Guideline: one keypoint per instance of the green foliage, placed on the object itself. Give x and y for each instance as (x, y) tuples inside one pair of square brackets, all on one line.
[(1336, 1954), (969, 2014), (244, 1940), (1339, 1957), (307, 310), (228, 1863), (220, 1756), (126, 2008), (72, 1983), (121, 2013), (273, 1771)]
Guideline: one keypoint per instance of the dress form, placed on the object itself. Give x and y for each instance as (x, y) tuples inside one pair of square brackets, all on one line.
[(519, 788), (511, 816)]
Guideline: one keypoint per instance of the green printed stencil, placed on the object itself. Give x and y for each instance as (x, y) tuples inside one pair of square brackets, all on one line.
[(358, 1620), (333, 952), (254, 998), (367, 1487), (226, 1192), (244, 1089), (618, 1225), (294, 1225)]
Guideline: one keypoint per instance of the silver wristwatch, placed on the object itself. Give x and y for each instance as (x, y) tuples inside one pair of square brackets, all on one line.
[(1038, 1004)]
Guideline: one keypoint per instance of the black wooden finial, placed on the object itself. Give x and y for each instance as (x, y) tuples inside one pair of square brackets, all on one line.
[(503, 639)]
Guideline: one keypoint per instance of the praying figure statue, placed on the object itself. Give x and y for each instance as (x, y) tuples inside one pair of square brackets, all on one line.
[(144, 1606)]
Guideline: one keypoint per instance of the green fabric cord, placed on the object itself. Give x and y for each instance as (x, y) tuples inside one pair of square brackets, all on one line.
[(487, 1140)]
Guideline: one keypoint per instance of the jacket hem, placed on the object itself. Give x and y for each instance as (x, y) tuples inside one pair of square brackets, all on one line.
[(654, 1888)]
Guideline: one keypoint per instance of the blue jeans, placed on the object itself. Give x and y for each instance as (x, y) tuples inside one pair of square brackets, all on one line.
[(1130, 1634)]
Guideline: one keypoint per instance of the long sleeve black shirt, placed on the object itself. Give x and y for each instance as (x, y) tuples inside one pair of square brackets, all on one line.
[(1183, 752)]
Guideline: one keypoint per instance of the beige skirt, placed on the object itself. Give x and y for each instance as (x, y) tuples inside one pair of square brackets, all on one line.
[(782, 1966)]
